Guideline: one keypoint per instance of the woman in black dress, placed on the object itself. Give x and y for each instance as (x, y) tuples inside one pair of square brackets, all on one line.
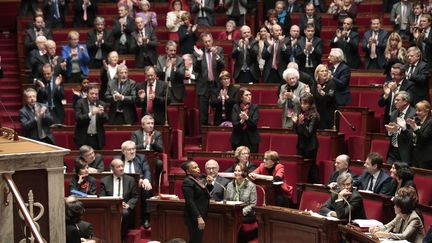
[(324, 94), (196, 202), (224, 100)]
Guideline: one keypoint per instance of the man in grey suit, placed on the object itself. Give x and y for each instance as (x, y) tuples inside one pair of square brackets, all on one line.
[(171, 69), (121, 185), (216, 184), (400, 15), (204, 12)]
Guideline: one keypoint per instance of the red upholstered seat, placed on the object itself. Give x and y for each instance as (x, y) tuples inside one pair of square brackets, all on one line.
[(355, 118), (64, 139), (326, 168), (313, 200), (265, 143), (66, 187), (270, 118), (373, 209), (356, 147), (325, 148), (357, 170), (427, 219), (178, 189), (114, 139), (265, 97), (355, 98), (380, 146), (218, 141), (424, 188), (284, 143), (177, 144), (69, 162), (291, 177)]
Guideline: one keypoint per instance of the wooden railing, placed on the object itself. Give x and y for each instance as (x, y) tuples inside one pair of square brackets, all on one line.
[(22, 208)]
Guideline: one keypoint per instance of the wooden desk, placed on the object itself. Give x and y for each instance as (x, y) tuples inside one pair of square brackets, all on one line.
[(277, 224), (105, 214), (222, 224), (351, 235)]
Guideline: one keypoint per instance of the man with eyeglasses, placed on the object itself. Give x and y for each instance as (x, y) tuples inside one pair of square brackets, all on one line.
[(215, 184)]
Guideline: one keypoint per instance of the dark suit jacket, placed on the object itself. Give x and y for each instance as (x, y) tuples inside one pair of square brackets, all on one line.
[(315, 56), (420, 78), (216, 103), (36, 62), (383, 183), (156, 145), (209, 8), (342, 209), (49, 10), (427, 50), (57, 95), (380, 48), (251, 59), (341, 78), (158, 101), (405, 143), (78, 20), (98, 163), (407, 86), (106, 46), (196, 200), (30, 38), (116, 32), (423, 148), (249, 165), (128, 104), (216, 191), (251, 131), (317, 22), (130, 195), (85, 229), (82, 120), (306, 136), (335, 174), (325, 104), (29, 123), (141, 165), (91, 188), (186, 39), (202, 86), (350, 48), (145, 54), (72, 234), (282, 57), (296, 8), (177, 90)]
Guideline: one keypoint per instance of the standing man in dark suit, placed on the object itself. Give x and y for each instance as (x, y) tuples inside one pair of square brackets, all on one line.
[(55, 12), (50, 91), (341, 76), (293, 6), (171, 69), (121, 185), (204, 12), (348, 40), (399, 132), (423, 37), (99, 43), (152, 96), (122, 29), (392, 87), (374, 178), (196, 202), (310, 17), (216, 184), (38, 57), (143, 44), (94, 160), (90, 117), (210, 62), (36, 119), (309, 51), (57, 61), (137, 163), (84, 12), (418, 73), (38, 29), (374, 44), (245, 51), (276, 53), (121, 94)]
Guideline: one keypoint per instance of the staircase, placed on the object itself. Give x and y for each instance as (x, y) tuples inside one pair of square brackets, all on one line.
[(10, 84)]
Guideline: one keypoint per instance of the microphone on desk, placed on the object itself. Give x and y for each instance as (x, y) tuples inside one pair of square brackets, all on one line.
[(264, 194), (349, 205), (344, 118), (224, 190), (15, 134)]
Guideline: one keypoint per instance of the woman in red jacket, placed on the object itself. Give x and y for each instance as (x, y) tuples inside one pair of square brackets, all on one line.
[(272, 170)]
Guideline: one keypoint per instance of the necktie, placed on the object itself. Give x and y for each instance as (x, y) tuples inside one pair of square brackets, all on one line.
[(275, 49), (120, 88), (412, 67), (130, 166), (85, 13), (210, 66), (56, 9), (394, 138), (119, 187), (373, 54), (150, 101), (370, 187)]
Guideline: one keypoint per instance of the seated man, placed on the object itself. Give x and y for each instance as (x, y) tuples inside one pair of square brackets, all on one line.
[(121, 185), (374, 178), (345, 203), (94, 161), (74, 211), (341, 165), (137, 163), (216, 184)]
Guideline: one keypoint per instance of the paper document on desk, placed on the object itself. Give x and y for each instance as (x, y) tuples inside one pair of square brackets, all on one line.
[(366, 223), (230, 202), (385, 240), (317, 215)]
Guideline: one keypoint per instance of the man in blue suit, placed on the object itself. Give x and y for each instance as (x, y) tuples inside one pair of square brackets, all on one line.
[(341, 76), (374, 177)]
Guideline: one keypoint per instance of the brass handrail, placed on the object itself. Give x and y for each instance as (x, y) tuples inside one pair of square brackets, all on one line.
[(23, 209)]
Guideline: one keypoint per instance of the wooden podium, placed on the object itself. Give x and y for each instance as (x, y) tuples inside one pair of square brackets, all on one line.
[(37, 167), (222, 224)]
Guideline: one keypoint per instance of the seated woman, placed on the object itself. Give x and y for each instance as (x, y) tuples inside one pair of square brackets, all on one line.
[(173, 19), (337, 206), (407, 225), (77, 58), (77, 230), (272, 170), (230, 33), (242, 154), (224, 100), (402, 175), (82, 181)]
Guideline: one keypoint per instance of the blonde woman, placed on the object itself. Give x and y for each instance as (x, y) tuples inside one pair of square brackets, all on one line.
[(324, 94), (394, 52)]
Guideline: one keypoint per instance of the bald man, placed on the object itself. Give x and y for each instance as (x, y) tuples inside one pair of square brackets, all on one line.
[(215, 183), (245, 51), (341, 165)]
